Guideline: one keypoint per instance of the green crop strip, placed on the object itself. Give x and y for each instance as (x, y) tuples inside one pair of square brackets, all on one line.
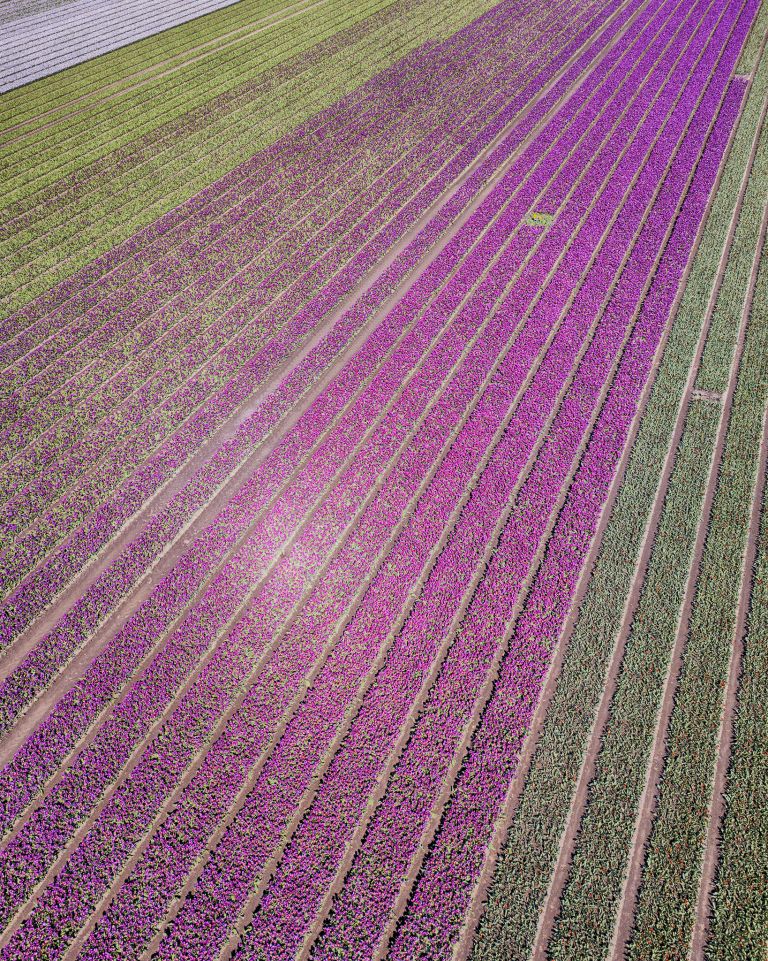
[(585, 926), (748, 60), (524, 866), (739, 927), (42, 158), (59, 239), (138, 62), (105, 126), (667, 900)]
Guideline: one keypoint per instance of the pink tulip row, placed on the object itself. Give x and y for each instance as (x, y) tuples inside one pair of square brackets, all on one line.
[(393, 837), (46, 659), (440, 899), (211, 924), (69, 786)]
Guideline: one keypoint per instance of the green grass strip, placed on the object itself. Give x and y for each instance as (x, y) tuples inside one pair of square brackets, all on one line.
[(585, 926), (670, 883), (50, 154), (525, 864), (739, 926), (748, 59), (58, 245)]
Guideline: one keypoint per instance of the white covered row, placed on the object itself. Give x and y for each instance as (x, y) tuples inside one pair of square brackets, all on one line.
[(40, 37)]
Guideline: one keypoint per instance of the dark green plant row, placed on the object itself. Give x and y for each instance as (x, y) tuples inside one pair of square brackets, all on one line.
[(666, 906), (739, 924)]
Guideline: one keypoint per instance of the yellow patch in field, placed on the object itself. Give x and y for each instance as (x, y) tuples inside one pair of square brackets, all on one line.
[(535, 218)]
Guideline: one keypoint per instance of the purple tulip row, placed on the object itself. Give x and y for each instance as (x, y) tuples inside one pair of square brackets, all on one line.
[(29, 767), (25, 508), (46, 660), (440, 899), (502, 230), (73, 507), (69, 786), (167, 369), (322, 701), (395, 832)]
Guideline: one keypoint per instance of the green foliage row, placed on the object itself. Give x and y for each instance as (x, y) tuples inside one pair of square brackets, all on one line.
[(49, 154), (587, 916), (666, 906), (739, 924), (118, 67)]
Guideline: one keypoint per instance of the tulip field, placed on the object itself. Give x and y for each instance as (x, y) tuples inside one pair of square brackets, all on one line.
[(383, 504)]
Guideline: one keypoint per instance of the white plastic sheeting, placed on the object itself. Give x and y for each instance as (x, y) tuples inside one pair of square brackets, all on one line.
[(40, 37)]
